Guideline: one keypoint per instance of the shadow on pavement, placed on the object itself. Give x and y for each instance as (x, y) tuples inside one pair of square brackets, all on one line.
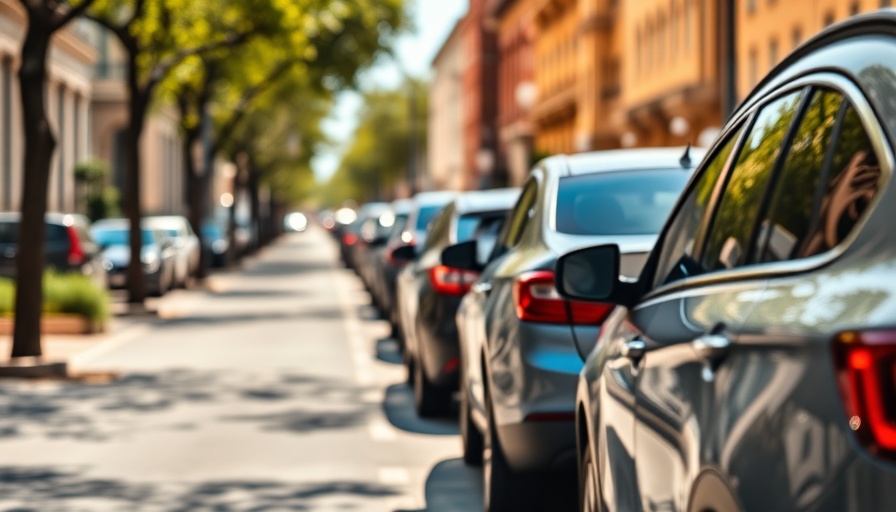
[(278, 268), (399, 408), (387, 351), (259, 293), (224, 319), (453, 486), (97, 412), (56, 488)]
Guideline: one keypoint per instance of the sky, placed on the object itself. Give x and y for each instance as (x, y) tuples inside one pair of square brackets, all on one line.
[(433, 21)]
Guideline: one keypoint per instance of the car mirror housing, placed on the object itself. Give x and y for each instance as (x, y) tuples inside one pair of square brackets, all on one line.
[(462, 256), (592, 274), (406, 253)]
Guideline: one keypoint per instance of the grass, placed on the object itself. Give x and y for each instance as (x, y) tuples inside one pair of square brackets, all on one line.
[(71, 294)]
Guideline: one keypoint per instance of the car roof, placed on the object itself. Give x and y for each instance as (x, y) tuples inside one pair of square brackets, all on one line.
[(166, 220), (434, 198), (402, 206), (486, 200), (116, 223), (52, 217), (623, 160)]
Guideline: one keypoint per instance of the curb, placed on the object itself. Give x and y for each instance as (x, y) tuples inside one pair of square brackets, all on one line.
[(33, 368)]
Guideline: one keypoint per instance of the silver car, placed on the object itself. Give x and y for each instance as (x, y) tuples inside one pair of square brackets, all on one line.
[(186, 244), (522, 346)]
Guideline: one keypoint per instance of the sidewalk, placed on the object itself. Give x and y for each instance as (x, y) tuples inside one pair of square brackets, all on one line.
[(77, 350)]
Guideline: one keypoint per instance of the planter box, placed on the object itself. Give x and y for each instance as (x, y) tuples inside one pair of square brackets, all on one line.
[(56, 324)]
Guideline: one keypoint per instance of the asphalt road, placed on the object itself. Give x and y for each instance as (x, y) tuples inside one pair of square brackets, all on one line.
[(276, 391)]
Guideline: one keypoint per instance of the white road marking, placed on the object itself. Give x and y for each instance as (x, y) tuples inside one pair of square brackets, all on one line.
[(104, 347)]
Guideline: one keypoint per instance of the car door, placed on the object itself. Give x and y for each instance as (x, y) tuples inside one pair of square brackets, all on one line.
[(687, 325), (781, 435)]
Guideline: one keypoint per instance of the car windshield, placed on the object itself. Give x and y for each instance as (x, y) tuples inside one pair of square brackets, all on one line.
[(472, 224), (173, 233), (427, 213), (618, 203), (111, 237)]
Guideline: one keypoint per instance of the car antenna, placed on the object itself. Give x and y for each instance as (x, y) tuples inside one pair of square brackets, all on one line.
[(685, 160)]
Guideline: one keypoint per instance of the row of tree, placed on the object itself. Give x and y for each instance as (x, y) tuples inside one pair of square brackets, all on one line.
[(252, 80)]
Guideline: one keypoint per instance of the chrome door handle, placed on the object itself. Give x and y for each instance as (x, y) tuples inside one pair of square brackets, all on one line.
[(483, 287), (712, 348), (634, 349)]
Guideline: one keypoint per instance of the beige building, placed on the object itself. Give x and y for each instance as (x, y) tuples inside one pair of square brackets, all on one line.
[(163, 183), (69, 93), (446, 128)]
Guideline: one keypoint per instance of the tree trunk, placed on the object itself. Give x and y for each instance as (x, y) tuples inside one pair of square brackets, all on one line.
[(138, 102), (255, 210), (39, 146), (195, 186)]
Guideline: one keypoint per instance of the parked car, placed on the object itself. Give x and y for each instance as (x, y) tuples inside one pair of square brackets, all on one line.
[(751, 365), (429, 294), (215, 244), (158, 255), (424, 207), (386, 267), (186, 244), (351, 233), (69, 246), (521, 345), (373, 233)]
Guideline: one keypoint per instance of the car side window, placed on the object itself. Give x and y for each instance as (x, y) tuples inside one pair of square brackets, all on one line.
[(733, 225), (439, 228), (517, 220), (676, 260), (816, 207)]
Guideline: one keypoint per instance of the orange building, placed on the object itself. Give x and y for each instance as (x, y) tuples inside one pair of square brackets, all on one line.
[(768, 31)]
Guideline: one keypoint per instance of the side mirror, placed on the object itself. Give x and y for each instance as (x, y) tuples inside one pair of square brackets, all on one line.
[(378, 241), (591, 274), (462, 256), (405, 253)]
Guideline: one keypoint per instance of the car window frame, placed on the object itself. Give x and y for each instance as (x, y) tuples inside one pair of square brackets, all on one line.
[(501, 246), (879, 141)]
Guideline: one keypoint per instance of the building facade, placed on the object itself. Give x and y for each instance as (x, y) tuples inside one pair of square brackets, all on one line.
[(69, 93), (163, 186), (517, 91), (768, 31), (446, 157), (480, 98)]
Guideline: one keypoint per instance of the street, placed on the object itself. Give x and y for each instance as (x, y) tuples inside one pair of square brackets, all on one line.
[(274, 389)]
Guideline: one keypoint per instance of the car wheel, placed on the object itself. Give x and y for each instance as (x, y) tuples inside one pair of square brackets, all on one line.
[(470, 435), (589, 490), (503, 490), (429, 400)]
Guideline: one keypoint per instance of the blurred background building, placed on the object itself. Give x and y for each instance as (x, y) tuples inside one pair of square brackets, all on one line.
[(446, 109)]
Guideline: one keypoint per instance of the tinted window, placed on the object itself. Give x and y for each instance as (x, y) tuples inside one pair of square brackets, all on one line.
[(784, 229), (676, 259), (438, 231), (848, 188), (119, 236), (470, 225), (9, 233), (618, 203), (425, 216), (734, 221)]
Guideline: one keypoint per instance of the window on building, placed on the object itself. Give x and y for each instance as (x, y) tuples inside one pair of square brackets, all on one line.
[(797, 36), (854, 9), (772, 53), (754, 67), (828, 19), (673, 29), (6, 83), (886, 3), (687, 25), (751, 6)]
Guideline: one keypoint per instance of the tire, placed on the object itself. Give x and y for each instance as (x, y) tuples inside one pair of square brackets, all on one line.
[(471, 438), (589, 488), (503, 489), (430, 401)]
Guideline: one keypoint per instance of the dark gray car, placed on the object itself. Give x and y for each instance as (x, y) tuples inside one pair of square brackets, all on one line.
[(522, 346), (751, 366)]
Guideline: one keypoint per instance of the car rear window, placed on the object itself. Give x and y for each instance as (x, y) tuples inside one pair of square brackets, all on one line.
[(618, 203), (9, 232), (427, 213)]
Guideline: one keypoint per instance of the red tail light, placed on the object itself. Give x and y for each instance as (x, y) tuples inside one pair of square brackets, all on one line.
[(451, 281), (537, 300), (866, 362), (75, 250), (349, 239)]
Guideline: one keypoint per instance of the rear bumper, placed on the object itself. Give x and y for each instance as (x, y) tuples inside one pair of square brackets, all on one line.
[(533, 386)]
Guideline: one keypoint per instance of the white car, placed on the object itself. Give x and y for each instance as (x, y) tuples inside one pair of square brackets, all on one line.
[(178, 229)]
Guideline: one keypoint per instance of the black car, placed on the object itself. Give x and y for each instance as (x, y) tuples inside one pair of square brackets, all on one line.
[(69, 245), (430, 293), (752, 365)]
